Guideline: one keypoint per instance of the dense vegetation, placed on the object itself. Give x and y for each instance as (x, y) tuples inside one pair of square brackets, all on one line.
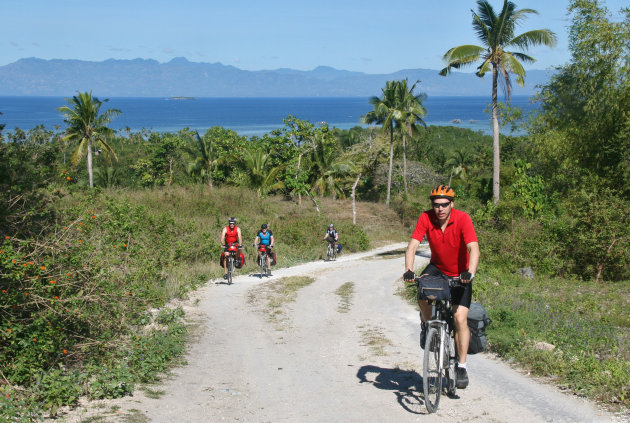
[(86, 274)]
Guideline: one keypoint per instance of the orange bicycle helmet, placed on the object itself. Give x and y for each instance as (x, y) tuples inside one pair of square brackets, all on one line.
[(442, 191)]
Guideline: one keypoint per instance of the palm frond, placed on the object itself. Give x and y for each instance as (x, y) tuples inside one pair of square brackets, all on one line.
[(534, 38), (460, 56)]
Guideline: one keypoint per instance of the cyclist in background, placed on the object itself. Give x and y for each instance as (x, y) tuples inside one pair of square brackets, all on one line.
[(332, 234), (230, 234), (265, 237), (454, 253)]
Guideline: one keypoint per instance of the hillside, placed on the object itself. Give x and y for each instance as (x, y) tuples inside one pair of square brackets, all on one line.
[(179, 77)]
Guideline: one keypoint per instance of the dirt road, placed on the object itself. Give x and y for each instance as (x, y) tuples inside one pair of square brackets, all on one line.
[(344, 350)]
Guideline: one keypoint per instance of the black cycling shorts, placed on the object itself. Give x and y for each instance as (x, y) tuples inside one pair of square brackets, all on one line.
[(459, 295)]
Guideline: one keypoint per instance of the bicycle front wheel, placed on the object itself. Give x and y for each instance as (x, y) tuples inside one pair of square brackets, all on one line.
[(432, 373), (263, 265), (230, 270)]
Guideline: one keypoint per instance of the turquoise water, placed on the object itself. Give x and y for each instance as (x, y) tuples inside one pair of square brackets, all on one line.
[(247, 116)]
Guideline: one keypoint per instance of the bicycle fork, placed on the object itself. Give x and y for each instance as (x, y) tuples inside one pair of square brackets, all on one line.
[(442, 328)]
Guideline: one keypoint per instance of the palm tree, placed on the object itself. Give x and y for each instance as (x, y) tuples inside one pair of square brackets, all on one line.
[(496, 32), (412, 113), (87, 126), (386, 114), (329, 168), (459, 163), (204, 157), (262, 176)]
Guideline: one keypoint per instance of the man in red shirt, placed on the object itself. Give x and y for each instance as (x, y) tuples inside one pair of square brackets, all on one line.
[(454, 253), (230, 234)]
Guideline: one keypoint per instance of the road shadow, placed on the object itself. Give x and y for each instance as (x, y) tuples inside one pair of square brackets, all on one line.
[(259, 275), (398, 252), (405, 384), (423, 253)]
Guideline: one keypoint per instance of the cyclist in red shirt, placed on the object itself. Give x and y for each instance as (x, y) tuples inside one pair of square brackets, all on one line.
[(230, 234), (454, 253)]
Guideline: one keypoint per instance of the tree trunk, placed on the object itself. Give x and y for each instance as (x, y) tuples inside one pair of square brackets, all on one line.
[(296, 176), (600, 265), (404, 152), (314, 202), (496, 152), (391, 162), (170, 171), (354, 197), (89, 163), (210, 175)]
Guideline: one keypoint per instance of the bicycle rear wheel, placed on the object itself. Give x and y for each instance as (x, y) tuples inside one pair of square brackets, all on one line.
[(432, 373)]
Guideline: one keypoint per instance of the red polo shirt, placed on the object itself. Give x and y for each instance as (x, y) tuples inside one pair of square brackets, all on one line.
[(448, 248)]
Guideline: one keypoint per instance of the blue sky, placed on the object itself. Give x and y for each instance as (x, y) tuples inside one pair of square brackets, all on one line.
[(359, 35)]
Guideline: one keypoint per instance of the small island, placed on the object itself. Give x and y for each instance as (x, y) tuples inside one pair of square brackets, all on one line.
[(181, 98)]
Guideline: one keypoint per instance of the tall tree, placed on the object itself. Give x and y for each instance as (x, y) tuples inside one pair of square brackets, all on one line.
[(496, 32), (412, 113), (386, 114), (262, 176), (87, 126), (329, 168), (205, 157), (583, 131)]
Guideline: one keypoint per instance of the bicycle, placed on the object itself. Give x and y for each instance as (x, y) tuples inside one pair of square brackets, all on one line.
[(231, 249), (440, 351), (262, 261), (331, 252)]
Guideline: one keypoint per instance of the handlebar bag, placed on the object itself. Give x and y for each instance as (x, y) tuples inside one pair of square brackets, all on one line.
[(434, 288)]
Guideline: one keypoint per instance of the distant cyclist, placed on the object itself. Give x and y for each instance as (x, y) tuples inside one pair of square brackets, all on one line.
[(230, 234), (332, 234), (265, 237), (454, 253)]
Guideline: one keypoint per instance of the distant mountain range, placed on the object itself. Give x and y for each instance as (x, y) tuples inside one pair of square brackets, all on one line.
[(179, 77)]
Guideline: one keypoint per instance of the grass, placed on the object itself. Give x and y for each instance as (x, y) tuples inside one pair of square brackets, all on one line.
[(153, 393), (587, 323), (345, 293), (374, 338), (275, 295)]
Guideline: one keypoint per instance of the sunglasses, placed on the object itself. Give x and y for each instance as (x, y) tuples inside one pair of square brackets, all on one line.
[(441, 205)]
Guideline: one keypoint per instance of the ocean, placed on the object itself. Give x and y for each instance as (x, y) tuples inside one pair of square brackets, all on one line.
[(247, 116)]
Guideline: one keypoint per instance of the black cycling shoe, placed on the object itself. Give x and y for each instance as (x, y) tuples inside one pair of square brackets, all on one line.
[(225, 276), (461, 379)]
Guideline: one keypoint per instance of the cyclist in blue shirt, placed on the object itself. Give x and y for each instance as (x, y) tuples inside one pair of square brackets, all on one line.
[(265, 237)]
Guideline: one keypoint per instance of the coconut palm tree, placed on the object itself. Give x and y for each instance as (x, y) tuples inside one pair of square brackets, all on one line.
[(88, 127), (262, 177), (412, 113), (205, 157), (496, 32), (386, 114), (329, 168), (459, 163)]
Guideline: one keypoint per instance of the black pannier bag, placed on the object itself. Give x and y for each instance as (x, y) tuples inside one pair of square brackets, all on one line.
[(478, 320), (433, 288)]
